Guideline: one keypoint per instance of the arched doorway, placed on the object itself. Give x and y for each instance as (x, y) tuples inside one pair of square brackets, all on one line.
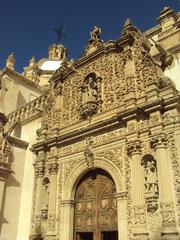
[(95, 216)]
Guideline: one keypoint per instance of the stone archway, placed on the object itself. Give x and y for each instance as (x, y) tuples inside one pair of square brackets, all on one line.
[(69, 190), (95, 216)]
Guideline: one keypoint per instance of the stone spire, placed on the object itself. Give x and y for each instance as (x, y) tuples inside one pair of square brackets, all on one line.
[(32, 62), (31, 71), (10, 61), (128, 23)]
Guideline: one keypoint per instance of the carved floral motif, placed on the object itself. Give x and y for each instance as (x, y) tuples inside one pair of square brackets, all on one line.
[(140, 214), (88, 153), (176, 171), (168, 212), (51, 226)]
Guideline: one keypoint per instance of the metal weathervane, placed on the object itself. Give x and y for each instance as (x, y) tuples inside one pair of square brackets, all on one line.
[(60, 33)]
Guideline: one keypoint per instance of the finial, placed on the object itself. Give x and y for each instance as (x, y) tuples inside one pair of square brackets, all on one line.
[(128, 23), (32, 61), (10, 61)]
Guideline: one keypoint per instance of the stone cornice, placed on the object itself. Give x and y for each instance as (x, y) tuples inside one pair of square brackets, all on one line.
[(23, 80), (113, 122), (17, 142)]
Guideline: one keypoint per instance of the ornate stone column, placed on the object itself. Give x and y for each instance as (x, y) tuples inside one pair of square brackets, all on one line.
[(53, 170), (159, 143), (67, 219), (39, 174), (137, 183), (134, 150)]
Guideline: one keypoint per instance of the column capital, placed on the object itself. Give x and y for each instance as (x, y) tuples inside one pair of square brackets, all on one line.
[(134, 147), (39, 169), (41, 156), (159, 141), (53, 167)]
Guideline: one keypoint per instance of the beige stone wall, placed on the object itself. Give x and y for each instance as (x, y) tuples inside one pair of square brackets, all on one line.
[(17, 202), (12, 196), (173, 71), (29, 135), (15, 94)]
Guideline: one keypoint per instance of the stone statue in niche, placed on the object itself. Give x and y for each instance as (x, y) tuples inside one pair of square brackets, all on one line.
[(90, 96), (89, 90), (150, 175), (44, 210), (45, 193), (151, 182)]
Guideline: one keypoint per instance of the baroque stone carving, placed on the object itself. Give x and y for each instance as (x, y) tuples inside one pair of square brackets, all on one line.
[(90, 96), (88, 152), (159, 140), (130, 211), (95, 40), (51, 227), (151, 182), (134, 147), (168, 213), (176, 170), (114, 155), (36, 224), (140, 214)]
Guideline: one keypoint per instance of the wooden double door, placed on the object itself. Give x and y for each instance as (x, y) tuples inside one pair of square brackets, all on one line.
[(95, 207)]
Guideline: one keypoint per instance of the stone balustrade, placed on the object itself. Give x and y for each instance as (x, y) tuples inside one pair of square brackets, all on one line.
[(28, 111)]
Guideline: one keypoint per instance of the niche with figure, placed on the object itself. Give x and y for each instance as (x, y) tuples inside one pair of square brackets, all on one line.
[(44, 211), (91, 97), (150, 181)]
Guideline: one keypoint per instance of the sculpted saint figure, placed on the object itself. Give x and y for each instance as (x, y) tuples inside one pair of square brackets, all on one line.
[(151, 177), (89, 90), (96, 33)]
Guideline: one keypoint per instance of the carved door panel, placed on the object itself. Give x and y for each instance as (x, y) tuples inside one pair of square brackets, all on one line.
[(95, 208)]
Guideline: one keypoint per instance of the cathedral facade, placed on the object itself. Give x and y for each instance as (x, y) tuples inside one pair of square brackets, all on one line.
[(90, 150)]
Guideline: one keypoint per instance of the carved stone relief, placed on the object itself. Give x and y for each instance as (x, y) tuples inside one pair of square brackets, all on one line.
[(151, 182), (140, 214), (114, 155), (168, 213), (176, 171)]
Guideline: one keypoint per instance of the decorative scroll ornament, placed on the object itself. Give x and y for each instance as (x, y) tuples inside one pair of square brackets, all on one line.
[(151, 182)]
